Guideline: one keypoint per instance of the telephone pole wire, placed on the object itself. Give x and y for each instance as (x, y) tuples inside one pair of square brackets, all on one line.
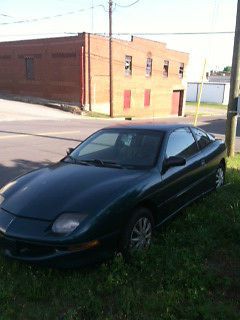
[(232, 116), (110, 60)]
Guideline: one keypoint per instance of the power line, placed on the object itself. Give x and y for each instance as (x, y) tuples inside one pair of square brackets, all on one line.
[(168, 33), (123, 34), (52, 17), (127, 6), (5, 15)]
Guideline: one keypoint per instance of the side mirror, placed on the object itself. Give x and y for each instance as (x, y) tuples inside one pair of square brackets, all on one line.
[(173, 162), (69, 150)]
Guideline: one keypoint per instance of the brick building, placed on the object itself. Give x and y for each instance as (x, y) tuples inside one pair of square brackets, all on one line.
[(148, 78)]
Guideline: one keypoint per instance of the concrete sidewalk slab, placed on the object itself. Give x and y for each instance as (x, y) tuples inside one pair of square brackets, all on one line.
[(21, 111)]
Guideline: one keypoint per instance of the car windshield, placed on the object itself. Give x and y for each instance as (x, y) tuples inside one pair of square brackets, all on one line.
[(120, 148)]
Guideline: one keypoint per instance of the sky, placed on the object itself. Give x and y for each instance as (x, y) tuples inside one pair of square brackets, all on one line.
[(146, 16)]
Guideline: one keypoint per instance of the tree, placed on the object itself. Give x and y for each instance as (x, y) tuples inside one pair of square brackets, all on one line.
[(227, 69)]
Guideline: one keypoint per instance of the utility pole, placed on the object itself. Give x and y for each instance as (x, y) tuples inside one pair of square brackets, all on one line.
[(231, 125), (110, 60), (200, 93)]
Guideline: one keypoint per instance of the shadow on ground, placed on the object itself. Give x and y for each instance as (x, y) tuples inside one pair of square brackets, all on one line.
[(217, 126), (39, 135), (19, 167)]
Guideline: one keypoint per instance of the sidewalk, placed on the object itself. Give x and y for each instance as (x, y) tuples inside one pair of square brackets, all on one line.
[(21, 111)]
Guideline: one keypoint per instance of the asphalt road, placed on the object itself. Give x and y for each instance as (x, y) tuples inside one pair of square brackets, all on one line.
[(27, 145)]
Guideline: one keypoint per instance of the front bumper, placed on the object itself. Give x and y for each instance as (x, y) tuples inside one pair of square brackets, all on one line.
[(24, 239), (56, 256)]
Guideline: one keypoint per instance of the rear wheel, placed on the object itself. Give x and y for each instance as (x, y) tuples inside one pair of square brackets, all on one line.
[(220, 177), (137, 234)]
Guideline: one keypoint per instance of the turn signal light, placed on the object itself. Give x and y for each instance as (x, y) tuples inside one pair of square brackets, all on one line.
[(84, 246)]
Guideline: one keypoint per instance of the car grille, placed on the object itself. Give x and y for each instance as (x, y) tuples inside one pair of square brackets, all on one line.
[(22, 249)]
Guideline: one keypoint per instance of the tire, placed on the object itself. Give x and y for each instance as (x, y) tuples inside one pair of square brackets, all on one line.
[(220, 176), (137, 234)]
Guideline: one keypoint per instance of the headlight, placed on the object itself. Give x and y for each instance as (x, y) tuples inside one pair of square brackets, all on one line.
[(67, 223), (1, 199)]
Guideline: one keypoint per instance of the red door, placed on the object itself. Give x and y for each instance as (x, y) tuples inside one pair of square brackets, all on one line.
[(176, 102), (147, 94), (127, 99)]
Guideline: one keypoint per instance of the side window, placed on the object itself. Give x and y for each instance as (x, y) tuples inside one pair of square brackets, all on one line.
[(181, 143), (201, 137)]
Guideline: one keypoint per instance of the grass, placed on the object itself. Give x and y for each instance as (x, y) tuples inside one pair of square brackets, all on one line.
[(97, 115), (208, 105), (191, 272)]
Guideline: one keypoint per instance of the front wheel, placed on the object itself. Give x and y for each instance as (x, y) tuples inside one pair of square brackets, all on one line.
[(137, 234), (220, 177)]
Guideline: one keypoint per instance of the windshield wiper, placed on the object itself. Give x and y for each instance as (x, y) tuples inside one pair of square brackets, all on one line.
[(104, 163), (76, 161)]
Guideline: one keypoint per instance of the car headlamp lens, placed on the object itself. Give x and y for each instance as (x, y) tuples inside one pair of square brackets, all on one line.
[(67, 223)]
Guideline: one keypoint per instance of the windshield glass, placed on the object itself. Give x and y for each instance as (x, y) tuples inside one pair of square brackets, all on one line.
[(120, 147)]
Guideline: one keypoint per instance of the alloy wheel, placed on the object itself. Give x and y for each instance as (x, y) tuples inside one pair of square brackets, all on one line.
[(219, 177), (141, 234)]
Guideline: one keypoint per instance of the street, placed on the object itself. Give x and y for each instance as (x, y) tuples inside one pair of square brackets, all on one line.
[(29, 140)]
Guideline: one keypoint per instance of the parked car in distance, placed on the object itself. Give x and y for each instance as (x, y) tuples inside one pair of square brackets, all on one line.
[(108, 194)]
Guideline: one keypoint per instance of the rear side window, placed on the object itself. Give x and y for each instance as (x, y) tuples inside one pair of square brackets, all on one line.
[(181, 143), (202, 138)]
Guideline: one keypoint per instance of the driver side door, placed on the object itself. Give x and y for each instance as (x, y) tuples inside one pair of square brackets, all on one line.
[(179, 183)]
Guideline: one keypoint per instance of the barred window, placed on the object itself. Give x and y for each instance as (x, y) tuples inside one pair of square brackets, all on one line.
[(128, 65), (165, 68), (181, 69), (149, 67), (29, 64)]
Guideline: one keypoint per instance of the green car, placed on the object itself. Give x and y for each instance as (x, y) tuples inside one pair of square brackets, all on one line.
[(108, 194)]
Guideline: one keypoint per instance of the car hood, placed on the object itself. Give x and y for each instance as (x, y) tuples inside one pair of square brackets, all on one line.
[(47, 192)]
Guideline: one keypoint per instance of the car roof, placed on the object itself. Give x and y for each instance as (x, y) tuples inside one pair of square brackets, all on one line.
[(149, 126)]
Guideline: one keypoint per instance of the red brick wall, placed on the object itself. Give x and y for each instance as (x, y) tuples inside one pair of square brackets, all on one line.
[(56, 68), (140, 49)]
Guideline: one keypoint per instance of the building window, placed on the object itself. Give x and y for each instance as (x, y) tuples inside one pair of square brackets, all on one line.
[(149, 67), (147, 95), (165, 68), (127, 99), (29, 62), (181, 69), (128, 65)]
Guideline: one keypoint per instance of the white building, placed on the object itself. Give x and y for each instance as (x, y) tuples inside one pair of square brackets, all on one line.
[(212, 92)]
